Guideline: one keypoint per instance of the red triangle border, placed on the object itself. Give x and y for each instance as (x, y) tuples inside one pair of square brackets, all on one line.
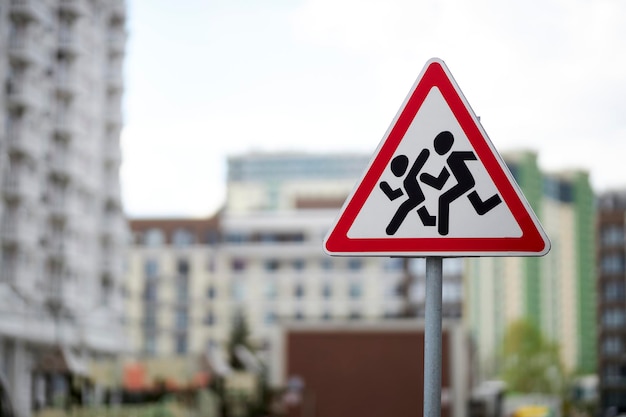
[(533, 241)]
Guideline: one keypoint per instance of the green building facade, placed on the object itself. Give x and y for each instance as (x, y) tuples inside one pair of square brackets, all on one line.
[(555, 292)]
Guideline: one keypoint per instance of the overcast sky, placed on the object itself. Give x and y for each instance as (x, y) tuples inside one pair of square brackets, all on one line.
[(206, 79)]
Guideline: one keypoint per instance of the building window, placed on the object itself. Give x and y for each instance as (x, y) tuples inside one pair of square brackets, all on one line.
[(149, 344), (613, 374), (182, 289), (238, 264), (238, 290), (210, 263), (327, 290), (211, 292), (271, 290), (182, 267), (391, 290), (613, 264), (182, 237), (327, 264), (153, 237), (182, 318), (270, 317), (355, 264), (612, 235), (451, 291), (106, 290), (151, 268), (150, 318), (612, 345), (211, 237), (392, 264), (452, 266), (354, 315), (235, 238), (150, 291), (267, 238), (298, 264), (271, 265), (181, 343), (614, 291), (614, 317), (355, 290), (298, 290), (209, 319)]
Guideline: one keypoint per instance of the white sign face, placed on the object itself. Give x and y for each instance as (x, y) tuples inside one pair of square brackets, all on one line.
[(436, 186), (434, 117)]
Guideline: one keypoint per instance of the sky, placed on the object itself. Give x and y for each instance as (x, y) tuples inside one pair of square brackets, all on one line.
[(209, 79)]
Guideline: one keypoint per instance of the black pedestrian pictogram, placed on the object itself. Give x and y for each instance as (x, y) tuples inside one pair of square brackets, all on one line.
[(457, 162), (412, 188)]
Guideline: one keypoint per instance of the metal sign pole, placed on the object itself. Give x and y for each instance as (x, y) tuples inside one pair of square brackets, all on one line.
[(432, 338)]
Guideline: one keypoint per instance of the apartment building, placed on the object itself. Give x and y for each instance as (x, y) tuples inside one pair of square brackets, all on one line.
[(267, 262), (556, 292), (169, 291), (611, 289), (62, 229)]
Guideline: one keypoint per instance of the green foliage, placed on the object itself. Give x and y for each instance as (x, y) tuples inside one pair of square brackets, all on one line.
[(531, 363), (239, 336)]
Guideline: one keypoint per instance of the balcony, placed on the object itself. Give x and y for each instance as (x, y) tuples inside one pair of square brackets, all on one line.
[(112, 152), (21, 185), (22, 92), (20, 230), (114, 79), (69, 42), (20, 271), (22, 139), (66, 83), (59, 246), (24, 48), (115, 228), (116, 41), (66, 124), (72, 8), (114, 117), (63, 165), (63, 206), (118, 11), (28, 9), (111, 188)]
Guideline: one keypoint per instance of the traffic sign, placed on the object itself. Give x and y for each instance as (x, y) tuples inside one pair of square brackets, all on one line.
[(436, 186)]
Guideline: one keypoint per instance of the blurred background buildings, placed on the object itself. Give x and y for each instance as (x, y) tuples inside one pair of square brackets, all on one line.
[(62, 228), (76, 288), (611, 300), (263, 259), (556, 292)]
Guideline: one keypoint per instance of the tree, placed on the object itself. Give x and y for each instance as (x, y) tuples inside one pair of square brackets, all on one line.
[(531, 363), (239, 336)]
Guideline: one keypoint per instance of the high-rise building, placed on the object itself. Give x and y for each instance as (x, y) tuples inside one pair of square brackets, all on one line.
[(286, 181), (612, 301), (555, 292), (62, 228)]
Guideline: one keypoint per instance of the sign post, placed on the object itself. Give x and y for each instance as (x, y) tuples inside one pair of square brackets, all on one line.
[(432, 337), (436, 187)]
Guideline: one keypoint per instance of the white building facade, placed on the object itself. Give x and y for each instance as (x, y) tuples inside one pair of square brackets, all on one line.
[(268, 263), (62, 230)]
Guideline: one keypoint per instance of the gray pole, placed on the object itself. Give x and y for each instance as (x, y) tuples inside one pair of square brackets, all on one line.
[(432, 338)]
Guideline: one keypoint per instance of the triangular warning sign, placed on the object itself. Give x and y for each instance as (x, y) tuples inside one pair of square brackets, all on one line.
[(436, 186)]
